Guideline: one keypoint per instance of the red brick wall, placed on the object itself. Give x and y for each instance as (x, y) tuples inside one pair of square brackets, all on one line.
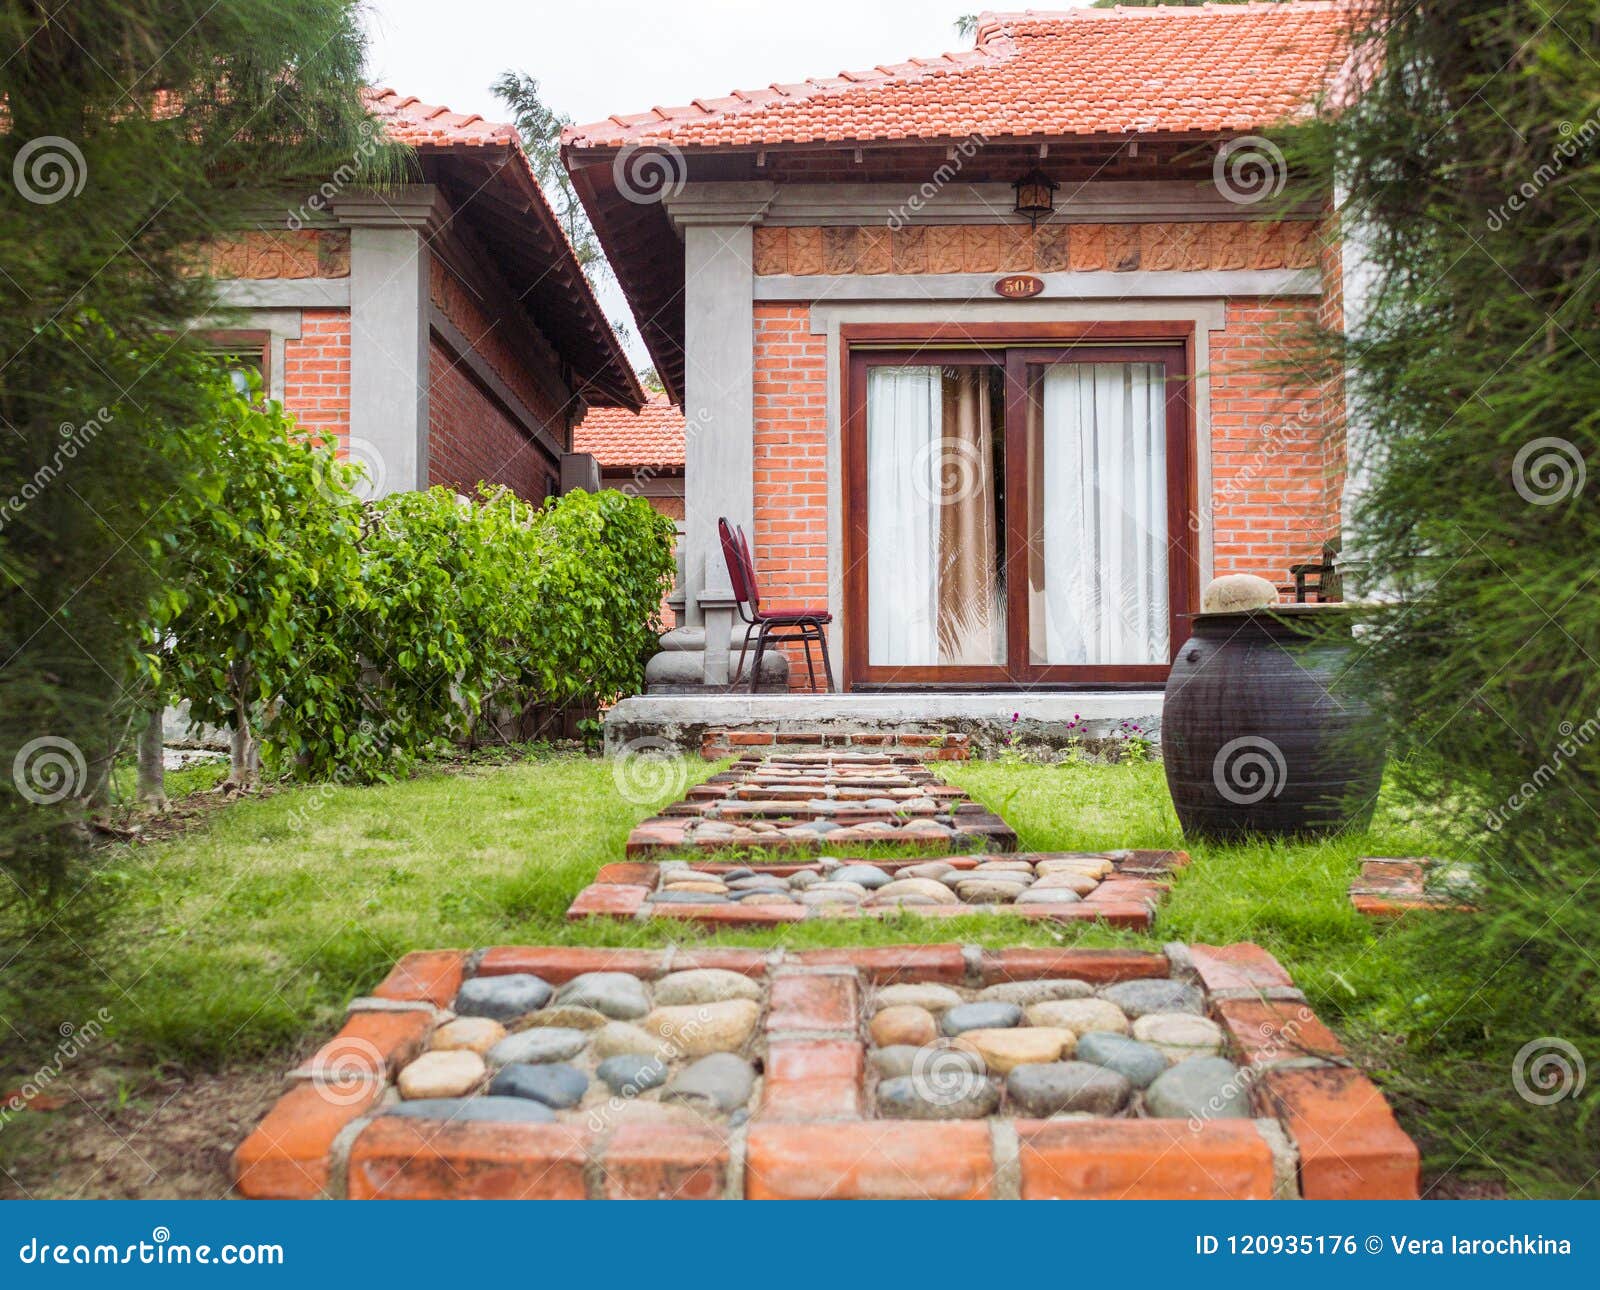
[(471, 439), (471, 435), (1276, 432), (1274, 497), (791, 455), (316, 376)]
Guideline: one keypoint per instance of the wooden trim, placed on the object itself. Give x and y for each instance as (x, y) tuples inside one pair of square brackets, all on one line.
[(1008, 344)]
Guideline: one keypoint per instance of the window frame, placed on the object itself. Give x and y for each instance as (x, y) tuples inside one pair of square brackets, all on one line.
[(1017, 348)]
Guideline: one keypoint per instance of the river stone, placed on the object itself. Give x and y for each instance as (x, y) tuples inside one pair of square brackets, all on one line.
[(995, 868), (1079, 1015), (1136, 1062), (869, 876), (1004, 1050), (466, 1110), (1067, 1087), (569, 1016), (822, 894), (694, 1030), (1199, 1088), (1030, 992), (935, 998), (557, 1085), (903, 1059), (479, 1034), (926, 869), (541, 1044), (710, 888), (767, 898), (635, 1110), (759, 882), (616, 994), (1141, 998), (686, 898), (1080, 884), (982, 891), (631, 1073), (719, 1082), (619, 1038), (502, 997), (1179, 1034), (449, 1073), (903, 1023), (988, 1015), (1094, 866), (805, 878), (936, 892), (913, 1097), (1048, 896), (704, 985)]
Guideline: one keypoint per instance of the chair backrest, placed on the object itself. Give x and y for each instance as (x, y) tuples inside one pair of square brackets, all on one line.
[(752, 585), (734, 556)]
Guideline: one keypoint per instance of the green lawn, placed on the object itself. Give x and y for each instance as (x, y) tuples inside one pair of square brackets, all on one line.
[(246, 936)]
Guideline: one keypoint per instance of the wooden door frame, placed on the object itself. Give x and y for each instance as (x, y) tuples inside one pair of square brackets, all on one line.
[(1007, 344)]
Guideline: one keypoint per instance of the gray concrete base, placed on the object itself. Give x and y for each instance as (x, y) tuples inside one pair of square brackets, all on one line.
[(1042, 721)]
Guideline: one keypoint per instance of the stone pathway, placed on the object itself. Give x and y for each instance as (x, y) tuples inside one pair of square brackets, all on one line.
[(1391, 888), (1120, 888), (904, 1071), (805, 801)]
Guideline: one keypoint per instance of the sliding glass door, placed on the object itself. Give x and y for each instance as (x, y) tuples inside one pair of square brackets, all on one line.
[(1016, 514)]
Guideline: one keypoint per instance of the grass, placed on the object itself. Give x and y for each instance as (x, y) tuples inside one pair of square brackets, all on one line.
[(246, 936)]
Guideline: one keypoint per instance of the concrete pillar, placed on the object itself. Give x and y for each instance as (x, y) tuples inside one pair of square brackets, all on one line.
[(719, 397), (389, 356)]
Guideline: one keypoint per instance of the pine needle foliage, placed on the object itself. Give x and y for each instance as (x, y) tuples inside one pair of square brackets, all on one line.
[(1466, 139)]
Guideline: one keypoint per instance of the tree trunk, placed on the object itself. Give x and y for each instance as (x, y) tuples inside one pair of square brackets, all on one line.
[(152, 771), (245, 764)]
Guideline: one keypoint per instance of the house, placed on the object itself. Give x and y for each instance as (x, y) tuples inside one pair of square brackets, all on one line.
[(998, 355), (639, 453), (442, 329)]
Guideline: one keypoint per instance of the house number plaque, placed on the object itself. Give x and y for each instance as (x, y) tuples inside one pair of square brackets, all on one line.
[(1018, 286)]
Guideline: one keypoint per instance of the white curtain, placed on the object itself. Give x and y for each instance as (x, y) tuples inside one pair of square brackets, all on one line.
[(904, 415), (1104, 525)]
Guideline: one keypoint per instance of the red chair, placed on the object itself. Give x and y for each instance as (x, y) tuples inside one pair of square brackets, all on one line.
[(774, 626)]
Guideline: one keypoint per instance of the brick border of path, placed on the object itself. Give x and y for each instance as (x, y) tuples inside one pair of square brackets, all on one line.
[(1392, 888), (668, 833), (1323, 1131), (1127, 898)]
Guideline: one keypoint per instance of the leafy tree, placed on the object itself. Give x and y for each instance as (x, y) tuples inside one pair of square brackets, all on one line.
[(1471, 161), (135, 131)]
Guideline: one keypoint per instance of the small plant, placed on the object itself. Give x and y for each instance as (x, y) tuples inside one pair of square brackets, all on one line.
[(1135, 741)]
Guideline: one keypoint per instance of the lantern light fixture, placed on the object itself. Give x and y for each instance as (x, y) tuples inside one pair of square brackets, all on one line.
[(1035, 195)]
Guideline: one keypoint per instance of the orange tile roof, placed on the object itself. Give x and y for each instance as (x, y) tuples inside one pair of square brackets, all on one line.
[(653, 436), (407, 119), (1212, 69), (540, 263)]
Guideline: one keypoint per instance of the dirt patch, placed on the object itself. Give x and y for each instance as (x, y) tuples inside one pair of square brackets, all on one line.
[(168, 1136)]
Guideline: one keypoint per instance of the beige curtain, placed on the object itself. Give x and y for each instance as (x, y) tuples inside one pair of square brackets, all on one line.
[(971, 608)]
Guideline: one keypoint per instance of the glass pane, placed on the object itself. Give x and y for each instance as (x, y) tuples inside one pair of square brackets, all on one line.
[(1097, 508), (936, 516)]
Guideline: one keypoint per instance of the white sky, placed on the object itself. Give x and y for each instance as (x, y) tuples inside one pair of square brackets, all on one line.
[(593, 59)]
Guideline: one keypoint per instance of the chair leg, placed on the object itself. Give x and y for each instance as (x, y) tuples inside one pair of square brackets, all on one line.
[(755, 668), (827, 667), (811, 672), (743, 650)]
